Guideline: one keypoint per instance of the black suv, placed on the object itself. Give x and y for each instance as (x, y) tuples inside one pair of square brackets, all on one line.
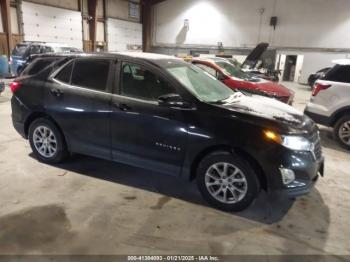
[(160, 113)]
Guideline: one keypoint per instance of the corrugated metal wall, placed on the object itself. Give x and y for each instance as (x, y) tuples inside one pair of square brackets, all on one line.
[(51, 24), (122, 35)]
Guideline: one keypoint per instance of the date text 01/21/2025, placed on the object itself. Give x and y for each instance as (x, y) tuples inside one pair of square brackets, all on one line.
[(173, 258)]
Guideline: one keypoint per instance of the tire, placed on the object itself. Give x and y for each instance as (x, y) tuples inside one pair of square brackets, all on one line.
[(53, 147), (246, 181), (342, 127)]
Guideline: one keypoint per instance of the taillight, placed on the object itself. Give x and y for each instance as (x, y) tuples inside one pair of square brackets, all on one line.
[(318, 88), (15, 86)]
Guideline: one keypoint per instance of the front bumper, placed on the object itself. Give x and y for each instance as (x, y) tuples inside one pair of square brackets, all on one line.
[(307, 168), (305, 180)]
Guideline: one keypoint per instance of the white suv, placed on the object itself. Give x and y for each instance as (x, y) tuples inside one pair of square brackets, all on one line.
[(330, 101)]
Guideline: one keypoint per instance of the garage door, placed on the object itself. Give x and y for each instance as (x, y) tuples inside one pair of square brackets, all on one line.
[(123, 35), (51, 24)]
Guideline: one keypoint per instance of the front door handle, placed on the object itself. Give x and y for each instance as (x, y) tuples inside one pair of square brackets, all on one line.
[(56, 92), (122, 107)]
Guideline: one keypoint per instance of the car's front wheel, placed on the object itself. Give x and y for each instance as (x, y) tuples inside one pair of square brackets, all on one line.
[(227, 182), (342, 131), (46, 141)]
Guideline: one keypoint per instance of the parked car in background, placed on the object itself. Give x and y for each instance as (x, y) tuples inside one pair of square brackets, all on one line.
[(249, 65), (270, 75), (22, 52), (254, 56), (235, 78), (2, 87), (163, 114), (318, 75), (330, 101)]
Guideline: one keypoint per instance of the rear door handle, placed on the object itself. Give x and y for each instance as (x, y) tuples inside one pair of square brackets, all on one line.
[(56, 92)]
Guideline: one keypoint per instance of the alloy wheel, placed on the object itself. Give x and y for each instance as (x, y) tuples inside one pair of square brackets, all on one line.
[(344, 132), (226, 183), (45, 141)]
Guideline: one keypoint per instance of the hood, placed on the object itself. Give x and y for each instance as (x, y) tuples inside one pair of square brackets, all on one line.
[(264, 107), (266, 87), (253, 58), (274, 88)]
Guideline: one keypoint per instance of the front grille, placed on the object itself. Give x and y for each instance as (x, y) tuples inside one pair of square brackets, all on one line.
[(314, 137)]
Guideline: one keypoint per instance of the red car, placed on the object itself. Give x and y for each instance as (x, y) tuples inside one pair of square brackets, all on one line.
[(235, 78)]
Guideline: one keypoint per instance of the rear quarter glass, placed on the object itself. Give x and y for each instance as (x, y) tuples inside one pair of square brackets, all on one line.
[(38, 65)]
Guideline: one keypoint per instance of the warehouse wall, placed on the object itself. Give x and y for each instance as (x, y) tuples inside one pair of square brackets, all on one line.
[(123, 35), (314, 61), (243, 23), (123, 31), (119, 9), (61, 21)]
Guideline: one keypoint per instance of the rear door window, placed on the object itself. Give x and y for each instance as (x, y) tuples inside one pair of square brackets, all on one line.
[(339, 73), (91, 73)]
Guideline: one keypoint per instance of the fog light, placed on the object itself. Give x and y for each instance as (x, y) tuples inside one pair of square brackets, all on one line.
[(287, 175)]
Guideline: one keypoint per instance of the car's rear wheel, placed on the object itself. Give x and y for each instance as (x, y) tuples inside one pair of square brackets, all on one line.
[(227, 182), (342, 131), (46, 141)]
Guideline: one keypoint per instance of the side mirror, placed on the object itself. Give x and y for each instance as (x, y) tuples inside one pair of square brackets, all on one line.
[(221, 77), (172, 100)]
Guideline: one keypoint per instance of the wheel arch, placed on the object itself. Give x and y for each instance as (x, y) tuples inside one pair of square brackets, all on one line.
[(37, 115), (339, 114), (228, 149)]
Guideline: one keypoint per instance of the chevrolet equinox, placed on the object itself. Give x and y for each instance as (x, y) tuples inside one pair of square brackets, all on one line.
[(160, 113)]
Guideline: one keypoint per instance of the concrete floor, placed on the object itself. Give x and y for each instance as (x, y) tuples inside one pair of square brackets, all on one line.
[(91, 206)]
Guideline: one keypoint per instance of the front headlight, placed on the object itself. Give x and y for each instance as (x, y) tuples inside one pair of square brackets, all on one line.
[(298, 143)]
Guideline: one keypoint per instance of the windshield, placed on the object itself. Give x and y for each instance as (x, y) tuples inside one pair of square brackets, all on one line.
[(232, 70), (201, 84), (19, 50)]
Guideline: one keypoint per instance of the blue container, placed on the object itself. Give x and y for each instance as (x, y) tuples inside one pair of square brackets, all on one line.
[(4, 66)]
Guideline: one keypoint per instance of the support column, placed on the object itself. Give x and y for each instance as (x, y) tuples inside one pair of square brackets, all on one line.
[(146, 25), (92, 10), (147, 18), (6, 17)]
